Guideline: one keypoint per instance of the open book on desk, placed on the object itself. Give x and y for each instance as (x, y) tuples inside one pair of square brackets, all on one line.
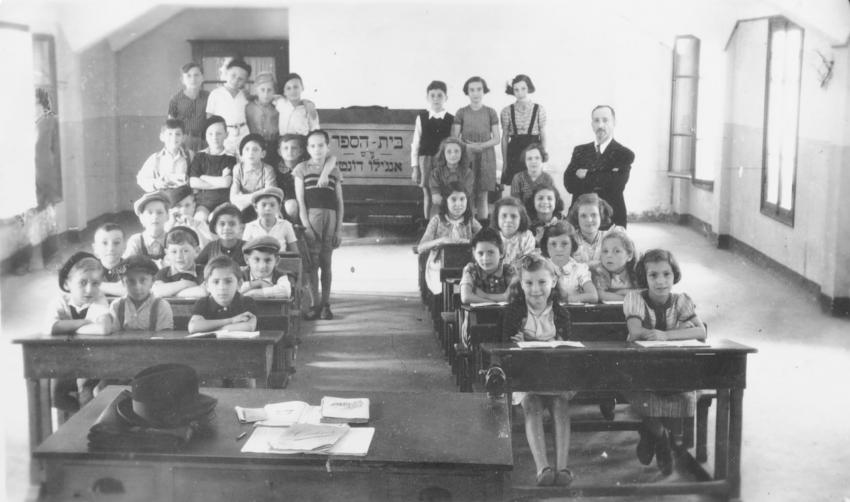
[(221, 334), (355, 441), (338, 410), (550, 344), (671, 343), (487, 304)]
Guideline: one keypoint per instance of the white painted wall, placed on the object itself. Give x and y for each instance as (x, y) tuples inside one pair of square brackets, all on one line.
[(577, 55)]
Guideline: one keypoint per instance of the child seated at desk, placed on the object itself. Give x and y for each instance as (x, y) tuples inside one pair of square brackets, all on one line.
[(140, 310), (267, 203), (536, 314), (152, 210), (454, 225), (614, 276), (108, 245), (224, 308), (226, 223), (179, 276), (512, 221), (182, 214), (488, 277), (82, 310), (261, 278), (574, 281), (656, 313)]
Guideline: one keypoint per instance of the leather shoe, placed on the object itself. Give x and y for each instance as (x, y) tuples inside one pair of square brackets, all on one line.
[(326, 314), (646, 446), (564, 477), (664, 454), (546, 477)]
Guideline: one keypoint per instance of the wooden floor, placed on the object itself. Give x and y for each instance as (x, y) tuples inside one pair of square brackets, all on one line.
[(795, 407)]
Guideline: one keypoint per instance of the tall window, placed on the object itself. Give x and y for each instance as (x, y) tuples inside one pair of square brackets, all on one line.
[(683, 109), (782, 111)]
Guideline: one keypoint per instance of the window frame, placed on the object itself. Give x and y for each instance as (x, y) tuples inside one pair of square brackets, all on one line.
[(690, 173), (770, 209)]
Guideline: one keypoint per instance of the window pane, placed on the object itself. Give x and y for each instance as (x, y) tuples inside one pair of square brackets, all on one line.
[(684, 106), (686, 57), (681, 154)]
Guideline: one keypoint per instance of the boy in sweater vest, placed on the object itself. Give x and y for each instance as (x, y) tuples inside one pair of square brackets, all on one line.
[(432, 127)]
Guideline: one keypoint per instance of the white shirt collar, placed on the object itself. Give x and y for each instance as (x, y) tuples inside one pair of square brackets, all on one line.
[(440, 115), (604, 144)]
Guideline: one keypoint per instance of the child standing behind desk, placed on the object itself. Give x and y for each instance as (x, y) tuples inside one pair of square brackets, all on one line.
[(226, 223), (656, 313), (152, 210), (140, 310), (536, 314), (261, 278), (224, 308), (190, 104), (179, 275), (229, 101), (431, 127)]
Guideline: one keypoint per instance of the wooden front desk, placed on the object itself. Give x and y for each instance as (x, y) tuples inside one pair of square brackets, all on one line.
[(122, 355), (619, 366), (457, 443)]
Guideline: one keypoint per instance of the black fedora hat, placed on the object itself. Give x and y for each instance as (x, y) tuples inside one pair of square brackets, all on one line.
[(166, 395)]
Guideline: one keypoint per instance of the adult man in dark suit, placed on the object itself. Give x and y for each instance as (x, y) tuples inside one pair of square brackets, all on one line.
[(601, 166)]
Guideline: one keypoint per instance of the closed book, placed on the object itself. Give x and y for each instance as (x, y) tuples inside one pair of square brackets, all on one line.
[(336, 410)]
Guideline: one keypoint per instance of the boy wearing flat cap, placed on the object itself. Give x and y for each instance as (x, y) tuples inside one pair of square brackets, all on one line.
[(182, 214), (152, 210), (261, 277), (140, 310), (267, 203)]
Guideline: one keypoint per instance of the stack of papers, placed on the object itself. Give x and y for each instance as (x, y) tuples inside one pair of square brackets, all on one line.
[(308, 438), (671, 343), (337, 410), (550, 344), (279, 414), (355, 442)]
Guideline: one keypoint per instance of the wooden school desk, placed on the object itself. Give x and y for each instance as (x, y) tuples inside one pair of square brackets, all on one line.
[(459, 443), (122, 355), (623, 366)]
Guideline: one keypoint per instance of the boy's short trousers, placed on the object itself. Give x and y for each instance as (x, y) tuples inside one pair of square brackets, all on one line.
[(323, 224), (426, 162)]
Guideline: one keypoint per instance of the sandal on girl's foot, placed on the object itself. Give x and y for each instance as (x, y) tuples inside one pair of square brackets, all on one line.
[(546, 477), (646, 446), (564, 477), (664, 454)]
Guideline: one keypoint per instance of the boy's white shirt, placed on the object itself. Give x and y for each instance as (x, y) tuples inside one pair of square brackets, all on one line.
[(164, 170), (294, 119)]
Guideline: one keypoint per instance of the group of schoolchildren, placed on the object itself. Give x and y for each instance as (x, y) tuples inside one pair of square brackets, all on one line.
[(533, 256), (232, 187), (239, 180)]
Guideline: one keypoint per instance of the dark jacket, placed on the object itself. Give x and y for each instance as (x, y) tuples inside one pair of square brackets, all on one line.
[(606, 176), (516, 312)]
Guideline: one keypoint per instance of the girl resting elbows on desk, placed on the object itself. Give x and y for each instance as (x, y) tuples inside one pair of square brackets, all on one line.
[(656, 313)]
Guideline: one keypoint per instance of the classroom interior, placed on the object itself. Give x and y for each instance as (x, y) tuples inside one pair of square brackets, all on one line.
[(764, 246)]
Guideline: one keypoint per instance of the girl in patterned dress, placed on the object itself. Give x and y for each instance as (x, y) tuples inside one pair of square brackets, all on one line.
[(575, 283), (589, 215), (656, 313), (544, 209), (615, 276), (454, 225), (511, 219), (477, 126)]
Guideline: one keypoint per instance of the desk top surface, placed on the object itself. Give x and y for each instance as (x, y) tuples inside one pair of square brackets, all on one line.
[(590, 347), (449, 429), (161, 337)]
